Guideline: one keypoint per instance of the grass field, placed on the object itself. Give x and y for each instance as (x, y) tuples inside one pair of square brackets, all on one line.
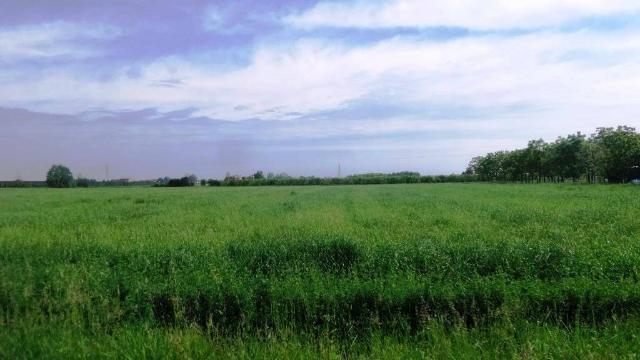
[(388, 271)]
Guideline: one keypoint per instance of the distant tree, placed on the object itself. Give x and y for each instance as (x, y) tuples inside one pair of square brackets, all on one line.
[(82, 182), (213, 182), (472, 169), (203, 182), (593, 158), (183, 181), (163, 181), (621, 152), (258, 175), (567, 156), (514, 165), (492, 166), (191, 180), (534, 159), (59, 176), (18, 183), (611, 154)]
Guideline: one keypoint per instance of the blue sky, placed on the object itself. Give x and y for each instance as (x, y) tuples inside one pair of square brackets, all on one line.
[(165, 88)]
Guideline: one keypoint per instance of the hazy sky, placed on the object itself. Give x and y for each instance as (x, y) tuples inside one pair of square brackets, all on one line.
[(164, 87)]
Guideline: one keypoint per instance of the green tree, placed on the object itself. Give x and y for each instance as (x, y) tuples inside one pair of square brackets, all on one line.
[(567, 156), (534, 159), (621, 152), (59, 176), (611, 154), (593, 160), (192, 180)]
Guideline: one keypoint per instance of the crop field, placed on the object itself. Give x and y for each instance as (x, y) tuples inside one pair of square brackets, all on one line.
[(385, 271)]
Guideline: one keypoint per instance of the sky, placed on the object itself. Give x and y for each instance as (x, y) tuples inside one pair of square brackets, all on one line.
[(154, 88)]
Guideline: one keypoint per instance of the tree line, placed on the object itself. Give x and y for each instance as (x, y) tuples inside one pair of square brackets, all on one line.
[(359, 179), (609, 155), (259, 179), (189, 180), (60, 176)]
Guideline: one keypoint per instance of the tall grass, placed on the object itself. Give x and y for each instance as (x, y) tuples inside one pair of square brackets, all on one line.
[(382, 271)]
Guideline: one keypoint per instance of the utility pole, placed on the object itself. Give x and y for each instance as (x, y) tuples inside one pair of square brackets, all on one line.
[(339, 171), (106, 172)]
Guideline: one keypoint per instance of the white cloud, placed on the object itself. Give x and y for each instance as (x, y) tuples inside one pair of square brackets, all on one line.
[(555, 84), (540, 73), (50, 40), (490, 91), (472, 14)]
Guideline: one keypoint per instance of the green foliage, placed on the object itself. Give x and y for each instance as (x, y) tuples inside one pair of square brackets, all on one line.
[(611, 155), (184, 181), (453, 270), (621, 147), (22, 184), (59, 176), (213, 182), (358, 179), (83, 182)]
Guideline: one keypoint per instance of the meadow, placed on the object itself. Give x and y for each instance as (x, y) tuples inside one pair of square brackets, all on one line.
[(380, 271)]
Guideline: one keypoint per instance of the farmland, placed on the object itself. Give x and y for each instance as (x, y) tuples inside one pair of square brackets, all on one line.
[(422, 270)]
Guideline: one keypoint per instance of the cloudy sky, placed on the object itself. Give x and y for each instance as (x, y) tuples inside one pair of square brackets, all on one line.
[(164, 88)]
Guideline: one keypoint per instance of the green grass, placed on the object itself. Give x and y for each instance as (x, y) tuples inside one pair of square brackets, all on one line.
[(389, 271)]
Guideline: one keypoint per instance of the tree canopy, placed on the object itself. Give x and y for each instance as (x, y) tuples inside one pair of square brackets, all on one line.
[(59, 176), (610, 154)]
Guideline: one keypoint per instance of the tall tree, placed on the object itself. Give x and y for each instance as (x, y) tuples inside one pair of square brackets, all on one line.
[(59, 176), (533, 158), (592, 157), (621, 152), (612, 154)]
